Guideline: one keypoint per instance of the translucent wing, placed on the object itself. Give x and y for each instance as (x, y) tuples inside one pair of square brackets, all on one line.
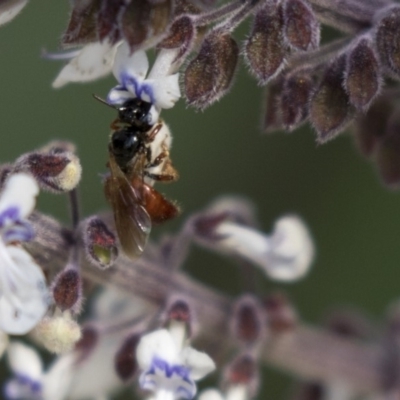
[(132, 221)]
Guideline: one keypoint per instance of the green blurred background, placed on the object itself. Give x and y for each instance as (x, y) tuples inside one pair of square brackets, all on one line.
[(354, 219)]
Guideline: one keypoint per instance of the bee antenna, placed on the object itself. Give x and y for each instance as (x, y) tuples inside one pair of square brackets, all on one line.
[(98, 98)]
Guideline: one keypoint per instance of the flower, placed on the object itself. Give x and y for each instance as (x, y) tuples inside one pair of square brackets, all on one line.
[(23, 292), (10, 9), (92, 62), (160, 88), (169, 368)]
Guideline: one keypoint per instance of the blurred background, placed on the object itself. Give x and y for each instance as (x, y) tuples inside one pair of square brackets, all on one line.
[(355, 220)]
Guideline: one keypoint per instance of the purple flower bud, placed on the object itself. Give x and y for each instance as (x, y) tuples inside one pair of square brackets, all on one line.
[(125, 359), (387, 39), (248, 324), (209, 75), (107, 19), (296, 92), (329, 109), (265, 50), (301, 27), (100, 243), (82, 25), (281, 317), (67, 289), (142, 21), (243, 371), (204, 226), (86, 344), (362, 77), (272, 119)]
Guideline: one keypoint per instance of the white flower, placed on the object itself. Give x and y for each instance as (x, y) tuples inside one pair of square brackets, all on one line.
[(23, 292), (92, 62), (160, 88), (170, 371), (10, 9), (286, 255)]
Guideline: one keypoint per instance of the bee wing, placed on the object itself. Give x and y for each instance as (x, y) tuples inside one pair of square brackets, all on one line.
[(132, 221)]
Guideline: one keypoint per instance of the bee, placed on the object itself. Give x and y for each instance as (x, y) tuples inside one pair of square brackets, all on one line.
[(138, 157)]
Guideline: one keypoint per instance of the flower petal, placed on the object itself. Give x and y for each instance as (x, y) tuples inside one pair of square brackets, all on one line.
[(11, 9), (93, 62), (24, 297), (165, 90), (25, 361), (210, 394), (200, 364), (57, 381), (118, 95), (19, 192), (127, 64), (159, 344)]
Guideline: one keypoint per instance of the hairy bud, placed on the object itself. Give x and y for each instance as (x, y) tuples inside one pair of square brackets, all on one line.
[(88, 341), (388, 39), (67, 289), (388, 153), (329, 108), (182, 34), (281, 317), (107, 19), (100, 243), (125, 359), (296, 92), (178, 312), (362, 77), (248, 323), (210, 74), (55, 169), (143, 20), (272, 119), (82, 25), (265, 50), (301, 27)]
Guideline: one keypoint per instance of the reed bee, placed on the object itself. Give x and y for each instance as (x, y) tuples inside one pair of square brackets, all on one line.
[(138, 156)]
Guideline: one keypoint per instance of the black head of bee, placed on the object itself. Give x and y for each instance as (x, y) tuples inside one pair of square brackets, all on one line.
[(125, 144), (136, 113)]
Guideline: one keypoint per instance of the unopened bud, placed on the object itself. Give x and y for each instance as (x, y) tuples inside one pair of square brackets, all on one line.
[(302, 29), (272, 119), (281, 316), (55, 170), (209, 75), (362, 77), (107, 20), (181, 35), (100, 243), (125, 358), (82, 24), (243, 371), (178, 315), (329, 109), (67, 290), (143, 20), (88, 341), (296, 92), (58, 334), (265, 50), (248, 323)]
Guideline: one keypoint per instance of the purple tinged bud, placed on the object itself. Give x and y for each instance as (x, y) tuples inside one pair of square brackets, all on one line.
[(272, 119), (179, 311), (107, 19), (362, 77), (67, 290), (125, 359), (209, 75), (100, 243), (387, 154), (388, 39), (301, 27), (204, 226), (182, 34), (329, 110), (87, 343), (82, 25), (265, 50), (142, 21), (248, 324), (243, 370), (280, 314), (296, 92)]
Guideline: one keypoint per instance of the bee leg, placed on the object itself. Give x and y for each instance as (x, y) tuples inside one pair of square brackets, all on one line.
[(115, 125), (157, 161), (161, 177), (153, 133)]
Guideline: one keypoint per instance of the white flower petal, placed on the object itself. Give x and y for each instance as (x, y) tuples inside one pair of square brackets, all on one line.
[(57, 381), (158, 344), (210, 394), (11, 9), (292, 250), (163, 65), (117, 95), (25, 361), (24, 296), (93, 62), (166, 91), (20, 191), (3, 342), (200, 364), (129, 65)]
